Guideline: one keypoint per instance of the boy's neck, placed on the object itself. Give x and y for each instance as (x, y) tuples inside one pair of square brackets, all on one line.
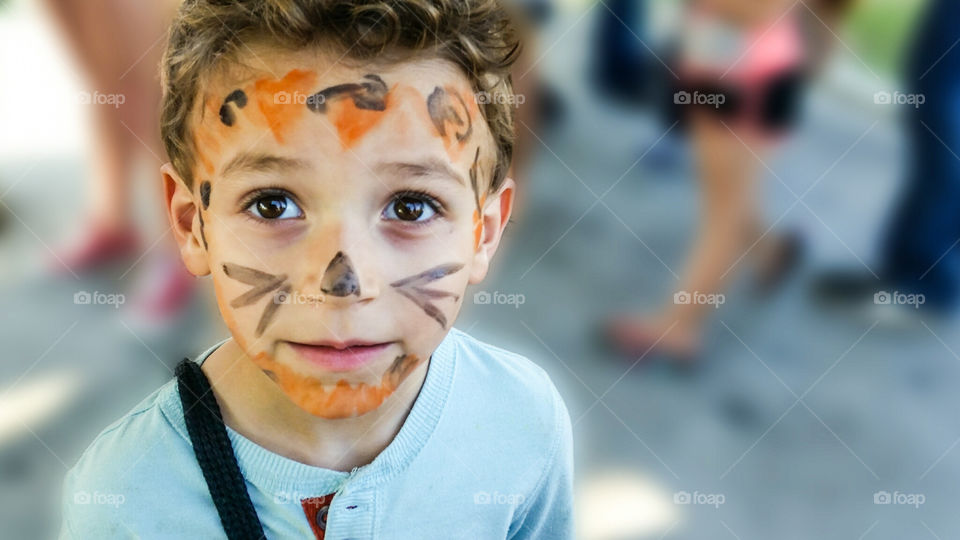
[(253, 406)]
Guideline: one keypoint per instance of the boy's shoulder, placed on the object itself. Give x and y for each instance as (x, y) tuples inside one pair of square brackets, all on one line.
[(501, 388), (116, 477), (142, 427), (496, 367), (506, 425)]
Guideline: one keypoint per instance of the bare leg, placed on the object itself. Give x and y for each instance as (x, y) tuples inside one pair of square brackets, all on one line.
[(728, 176), (117, 44)]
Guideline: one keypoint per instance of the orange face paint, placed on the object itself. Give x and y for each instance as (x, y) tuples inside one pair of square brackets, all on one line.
[(343, 400), (352, 122), (207, 145), (279, 100), (478, 222)]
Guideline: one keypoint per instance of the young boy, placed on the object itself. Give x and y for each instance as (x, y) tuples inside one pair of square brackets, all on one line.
[(339, 169)]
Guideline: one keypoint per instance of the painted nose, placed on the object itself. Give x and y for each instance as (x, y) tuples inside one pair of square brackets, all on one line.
[(340, 278)]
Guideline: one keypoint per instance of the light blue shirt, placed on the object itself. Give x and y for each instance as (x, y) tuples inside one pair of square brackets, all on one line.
[(485, 452)]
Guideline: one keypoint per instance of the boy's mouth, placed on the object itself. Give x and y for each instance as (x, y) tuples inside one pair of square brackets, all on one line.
[(336, 356)]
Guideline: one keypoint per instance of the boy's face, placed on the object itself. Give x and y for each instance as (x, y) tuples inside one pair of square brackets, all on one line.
[(339, 206)]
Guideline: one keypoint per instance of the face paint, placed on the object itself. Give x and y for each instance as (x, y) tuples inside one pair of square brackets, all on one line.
[(342, 400), (450, 108), (206, 145), (339, 279), (369, 95), (275, 100), (226, 113), (478, 213), (262, 284), (205, 194), (203, 234), (353, 108), (205, 201), (412, 288)]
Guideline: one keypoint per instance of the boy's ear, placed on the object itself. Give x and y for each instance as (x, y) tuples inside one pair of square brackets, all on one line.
[(496, 214), (183, 213)]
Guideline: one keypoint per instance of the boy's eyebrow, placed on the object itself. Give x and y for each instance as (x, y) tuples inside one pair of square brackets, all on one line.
[(253, 162), (428, 167)]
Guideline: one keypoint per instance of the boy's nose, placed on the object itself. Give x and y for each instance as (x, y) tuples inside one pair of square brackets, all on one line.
[(340, 279), (339, 264)]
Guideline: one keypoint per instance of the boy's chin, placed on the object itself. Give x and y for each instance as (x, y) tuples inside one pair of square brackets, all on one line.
[(339, 395), (334, 414), (345, 401)]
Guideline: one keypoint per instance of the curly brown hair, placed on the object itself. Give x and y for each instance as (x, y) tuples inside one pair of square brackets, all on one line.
[(476, 35)]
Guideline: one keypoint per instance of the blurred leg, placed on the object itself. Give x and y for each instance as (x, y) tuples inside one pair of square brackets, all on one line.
[(728, 217), (728, 176), (117, 44)]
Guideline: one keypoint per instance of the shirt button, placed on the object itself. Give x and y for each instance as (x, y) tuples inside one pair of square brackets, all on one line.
[(322, 517)]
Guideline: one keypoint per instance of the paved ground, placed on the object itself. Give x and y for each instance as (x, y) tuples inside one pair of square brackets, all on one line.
[(797, 417)]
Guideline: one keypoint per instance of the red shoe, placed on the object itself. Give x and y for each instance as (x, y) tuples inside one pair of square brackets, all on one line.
[(640, 338), (98, 247), (164, 292)]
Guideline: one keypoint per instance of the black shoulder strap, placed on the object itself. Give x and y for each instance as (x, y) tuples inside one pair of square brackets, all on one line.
[(215, 454)]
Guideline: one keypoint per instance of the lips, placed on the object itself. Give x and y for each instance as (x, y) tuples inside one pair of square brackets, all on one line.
[(340, 356)]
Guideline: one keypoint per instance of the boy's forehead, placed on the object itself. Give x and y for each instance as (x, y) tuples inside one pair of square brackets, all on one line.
[(412, 98), (329, 68)]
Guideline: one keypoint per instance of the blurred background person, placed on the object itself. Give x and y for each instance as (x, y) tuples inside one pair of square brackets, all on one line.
[(117, 45), (740, 69), (919, 249)]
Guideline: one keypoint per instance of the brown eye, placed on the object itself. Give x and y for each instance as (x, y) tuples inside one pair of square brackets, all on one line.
[(274, 207), (271, 207), (408, 208), (412, 207)]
